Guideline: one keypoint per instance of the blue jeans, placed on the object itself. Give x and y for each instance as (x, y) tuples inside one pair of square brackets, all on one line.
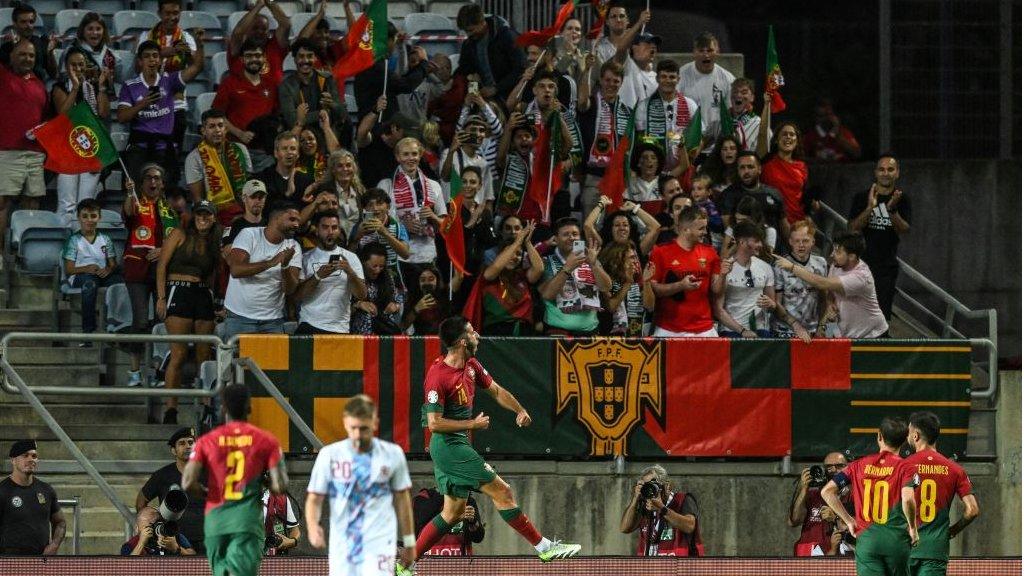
[(90, 285), (235, 324)]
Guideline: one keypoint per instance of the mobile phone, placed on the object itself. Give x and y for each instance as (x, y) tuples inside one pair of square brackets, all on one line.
[(154, 90), (474, 87), (368, 214), (579, 247), (335, 257)]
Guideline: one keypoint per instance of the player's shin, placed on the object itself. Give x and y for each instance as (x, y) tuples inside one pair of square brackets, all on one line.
[(515, 518), (431, 534)]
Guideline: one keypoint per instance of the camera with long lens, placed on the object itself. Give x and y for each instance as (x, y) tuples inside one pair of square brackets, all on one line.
[(818, 476), (171, 509)]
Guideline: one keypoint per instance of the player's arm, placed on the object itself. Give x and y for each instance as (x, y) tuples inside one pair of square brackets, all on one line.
[(140, 501), (506, 400), (830, 494), (279, 477), (971, 511), (437, 423), (909, 504), (190, 480), (402, 502), (314, 506)]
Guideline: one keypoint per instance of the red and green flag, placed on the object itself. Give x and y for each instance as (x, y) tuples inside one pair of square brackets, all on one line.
[(616, 176), (774, 80), (600, 8), (76, 142), (726, 122), (366, 41), (451, 227), (541, 37), (547, 168), (694, 132)]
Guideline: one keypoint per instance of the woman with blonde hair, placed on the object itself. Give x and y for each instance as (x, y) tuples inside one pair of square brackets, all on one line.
[(342, 178)]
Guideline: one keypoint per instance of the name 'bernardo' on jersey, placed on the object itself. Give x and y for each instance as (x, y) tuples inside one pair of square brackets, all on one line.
[(235, 441), (881, 471)]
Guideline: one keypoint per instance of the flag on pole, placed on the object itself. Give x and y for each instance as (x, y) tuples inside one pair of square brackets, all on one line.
[(549, 144), (366, 41), (774, 79), (600, 8), (693, 133), (451, 226), (726, 122), (76, 142), (616, 175), (541, 37)]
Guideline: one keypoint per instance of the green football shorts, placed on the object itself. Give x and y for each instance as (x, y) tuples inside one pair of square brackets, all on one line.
[(458, 469), (927, 567), (237, 554), (883, 552)]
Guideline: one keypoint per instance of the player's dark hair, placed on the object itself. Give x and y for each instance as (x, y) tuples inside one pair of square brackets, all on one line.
[(451, 330), (236, 401), (306, 44), (667, 65), (893, 431), (747, 229), (360, 406), (564, 222), (851, 242), (689, 215), (928, 424)]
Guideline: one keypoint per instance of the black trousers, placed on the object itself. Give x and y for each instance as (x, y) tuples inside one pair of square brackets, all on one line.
[(885, 287)]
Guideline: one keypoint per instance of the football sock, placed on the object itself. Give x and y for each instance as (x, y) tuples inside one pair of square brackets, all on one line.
[(515, 518), (431, 533)]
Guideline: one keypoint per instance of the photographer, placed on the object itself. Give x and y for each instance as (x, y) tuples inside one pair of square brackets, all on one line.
[(820, 534), (671, 517), (156, 537), (168, 478), (280, 523)]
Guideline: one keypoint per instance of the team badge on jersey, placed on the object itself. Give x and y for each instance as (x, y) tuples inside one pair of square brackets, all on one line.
[(16, 502), (432, 397), (41, 497)]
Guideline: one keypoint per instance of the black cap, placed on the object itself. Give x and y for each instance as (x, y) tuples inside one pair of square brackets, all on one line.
[(21, 447), (649, 38), (187, 432), (204, 206)]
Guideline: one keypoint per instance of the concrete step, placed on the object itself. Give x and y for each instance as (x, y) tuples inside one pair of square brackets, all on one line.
[(106, 449), (85, 432), (120, 414), (65, 375), (43, 355), (981, 433), (90, 495), (15, 319), (102, 519), (8, 398)]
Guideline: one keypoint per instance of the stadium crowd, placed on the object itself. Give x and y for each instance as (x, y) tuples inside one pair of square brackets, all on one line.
[(480, 182)]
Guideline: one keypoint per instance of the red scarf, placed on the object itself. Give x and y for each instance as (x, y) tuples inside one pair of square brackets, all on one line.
[(407, 207), (172, 63)]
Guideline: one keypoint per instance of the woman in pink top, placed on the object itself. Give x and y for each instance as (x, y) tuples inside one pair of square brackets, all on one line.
[(786, 171)]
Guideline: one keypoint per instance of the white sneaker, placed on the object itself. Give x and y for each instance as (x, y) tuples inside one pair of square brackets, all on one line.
[(559, 551), (134, 378)]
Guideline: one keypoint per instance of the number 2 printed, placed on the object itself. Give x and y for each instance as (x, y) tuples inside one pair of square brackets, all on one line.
[(236, 471)]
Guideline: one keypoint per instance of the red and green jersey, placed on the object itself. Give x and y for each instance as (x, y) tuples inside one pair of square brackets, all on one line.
[(235, 455), (936, 480), (874, 482), (450, 390)]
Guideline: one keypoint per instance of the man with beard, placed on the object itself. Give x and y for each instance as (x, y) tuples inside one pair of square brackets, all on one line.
[(818, 534), (247, 95), (256, 27), (217, 169), (748, 167), (283, 180), (24, 18), (706, 82), (31, 521), (450, 385), (331, 277), (168, 478), (265, 264), (882, 214), (307, 91), (254, 197)]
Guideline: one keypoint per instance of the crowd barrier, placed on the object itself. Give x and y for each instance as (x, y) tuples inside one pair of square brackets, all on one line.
[(646, 398), (493, 566)]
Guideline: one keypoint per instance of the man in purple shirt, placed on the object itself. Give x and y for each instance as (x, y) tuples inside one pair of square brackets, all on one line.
[(146, 104)]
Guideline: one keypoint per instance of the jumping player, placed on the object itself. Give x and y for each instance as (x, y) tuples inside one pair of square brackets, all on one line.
[(929, 481), (367, 481), (450, 386), (235, 455), (883, 541)]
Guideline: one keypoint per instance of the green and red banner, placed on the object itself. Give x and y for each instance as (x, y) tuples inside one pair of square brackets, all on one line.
[(366, 41), (647, 398), (76, 142), (773, 75), (543, 36)]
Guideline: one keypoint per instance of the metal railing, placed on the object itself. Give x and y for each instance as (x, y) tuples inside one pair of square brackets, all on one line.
[(919, 315), (76, 514)]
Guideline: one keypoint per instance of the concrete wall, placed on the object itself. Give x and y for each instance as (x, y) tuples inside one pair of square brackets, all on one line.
[(966, 229)]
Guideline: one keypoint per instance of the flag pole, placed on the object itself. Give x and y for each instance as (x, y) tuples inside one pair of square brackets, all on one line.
[(643, 29), (380, 115), (551, 173), (451, 276), (543, 52), (128, 178)]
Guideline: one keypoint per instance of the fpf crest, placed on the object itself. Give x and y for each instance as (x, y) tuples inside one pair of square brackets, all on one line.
[(611, 380)]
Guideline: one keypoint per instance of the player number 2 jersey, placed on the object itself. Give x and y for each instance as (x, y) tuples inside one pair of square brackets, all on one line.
[(235, 455), (874, 481), (936, 480)]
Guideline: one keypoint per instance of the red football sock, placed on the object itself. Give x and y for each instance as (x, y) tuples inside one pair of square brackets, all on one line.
[(431, 533), (520, 523)]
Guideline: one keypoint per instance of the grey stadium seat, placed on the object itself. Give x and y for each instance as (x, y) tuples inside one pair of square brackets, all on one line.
[(37, 239), (219, 67), (428, 22), (66, 22), (203, 103), (133, 22)]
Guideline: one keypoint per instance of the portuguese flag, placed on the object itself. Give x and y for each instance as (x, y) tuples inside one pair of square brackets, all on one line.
[(774, 79), (451, 228), (616, 176), (694, 132), (541, 37), (76, 142), (366, 41)]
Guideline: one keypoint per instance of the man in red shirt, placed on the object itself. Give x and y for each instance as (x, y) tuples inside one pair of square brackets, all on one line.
[(235, 455), (686, 272), (23, 100), (247, 95), (257, 27)]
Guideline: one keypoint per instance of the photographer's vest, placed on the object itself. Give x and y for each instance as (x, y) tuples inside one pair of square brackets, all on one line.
[(670, 542), (815, 532)]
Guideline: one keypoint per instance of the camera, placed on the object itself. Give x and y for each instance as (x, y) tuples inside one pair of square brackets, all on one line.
[(272, 541), (166, 528), (818, 476)]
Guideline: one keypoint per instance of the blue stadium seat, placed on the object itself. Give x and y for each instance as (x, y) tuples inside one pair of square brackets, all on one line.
[(429, 23), (67, 21), (105, 7), (191, 20), (300, 20), (22, 220), (36, 238), (203, 103), (125, 67)]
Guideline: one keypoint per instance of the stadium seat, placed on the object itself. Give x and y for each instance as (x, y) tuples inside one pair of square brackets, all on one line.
[(401, 9), (350, 103), (47, 10), (430, 23), (449, 9), (288, 65), (125, 66), (104, 7), (67, 21), (129, 24), (22, 220), (291, 8), (110, 219), (37, 238), (5, 20), (219, 8), (337, 9), (203, 103), (147, 5), (454, 59), (219, 67), (300, 20), (120, 140), (236, 17), (58, 53), (191, 20)]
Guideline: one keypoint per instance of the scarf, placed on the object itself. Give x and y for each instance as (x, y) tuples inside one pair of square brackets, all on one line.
[(610, 124), (515, 180), (87, 93), (222, 181), (579, 293), (102, 57), (628, 318), (178, 61), (667, 136), (153, 221), (314, 167), (407, 205)]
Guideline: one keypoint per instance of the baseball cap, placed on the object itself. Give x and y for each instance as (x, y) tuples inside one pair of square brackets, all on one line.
[(649, 38), (21, 447), (254, 187), (186, 432), (204, 206)]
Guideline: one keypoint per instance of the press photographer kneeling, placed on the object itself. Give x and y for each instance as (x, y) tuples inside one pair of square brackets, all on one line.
[(668, 521), (157, 532)]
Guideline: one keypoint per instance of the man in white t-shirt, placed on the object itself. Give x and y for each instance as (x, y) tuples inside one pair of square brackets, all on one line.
[(639, 79), (742, 308), (265, 264), (666, 114), (331, 277), (706, 82), (850, 286), (367, 482)]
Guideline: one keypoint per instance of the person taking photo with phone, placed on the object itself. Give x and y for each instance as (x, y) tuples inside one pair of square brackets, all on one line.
[(572, 283)]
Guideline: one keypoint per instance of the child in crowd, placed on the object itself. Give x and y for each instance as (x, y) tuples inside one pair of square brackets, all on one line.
[(89, 261)]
